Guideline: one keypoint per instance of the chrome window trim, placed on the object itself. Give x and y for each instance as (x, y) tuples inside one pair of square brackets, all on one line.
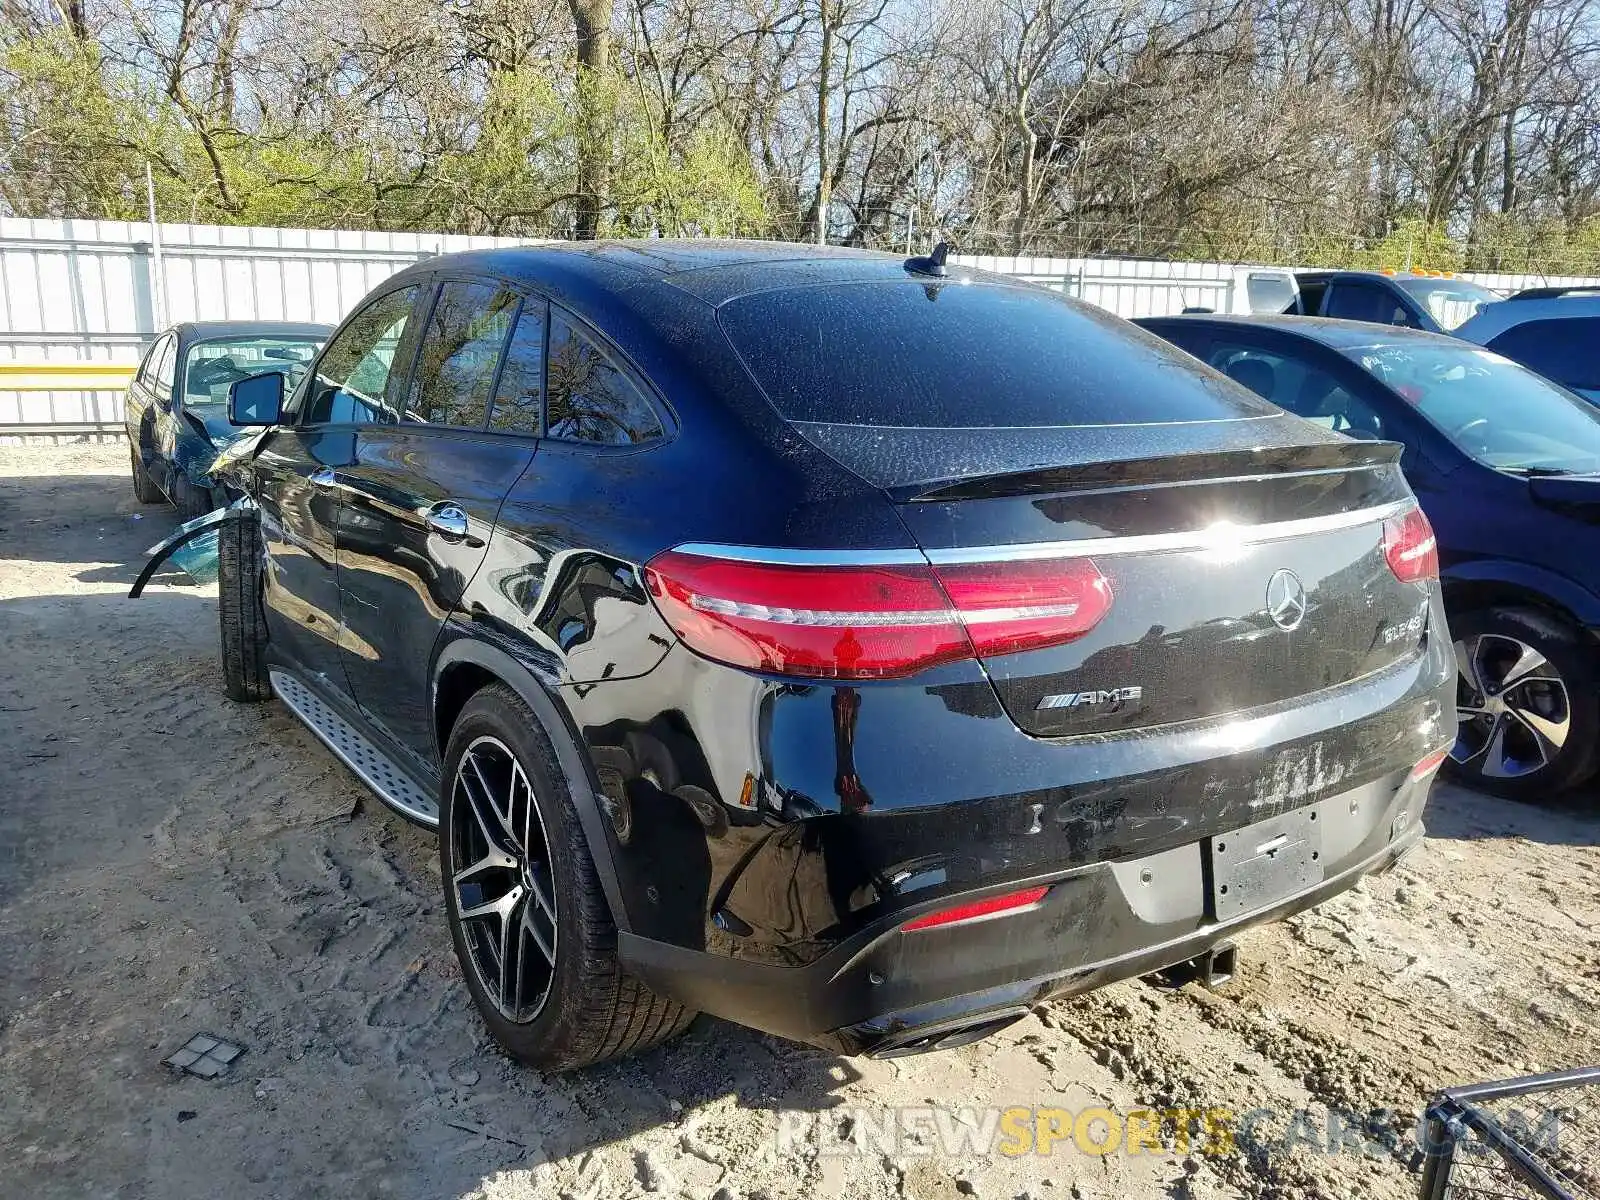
[(1216, 537)]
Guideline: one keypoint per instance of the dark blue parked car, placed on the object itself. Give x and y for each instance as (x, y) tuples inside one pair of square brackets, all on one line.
[(1507, 467), (177, 409)]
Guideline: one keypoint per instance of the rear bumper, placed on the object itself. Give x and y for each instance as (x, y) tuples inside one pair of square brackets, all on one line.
[(885, 990)]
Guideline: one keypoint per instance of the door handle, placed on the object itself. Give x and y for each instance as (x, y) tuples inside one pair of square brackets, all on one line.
[(324, 478), (449, 521)]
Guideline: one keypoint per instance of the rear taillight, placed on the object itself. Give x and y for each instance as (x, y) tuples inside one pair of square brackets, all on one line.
[(839, 622), (1011, 606), (871, 622), (1410, 547), (978, 910)]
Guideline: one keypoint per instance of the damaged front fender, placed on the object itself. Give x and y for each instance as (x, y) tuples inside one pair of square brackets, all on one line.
[(192, 546), (237, 452)]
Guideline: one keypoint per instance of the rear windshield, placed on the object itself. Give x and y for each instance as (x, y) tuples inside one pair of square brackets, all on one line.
[(952, 356)]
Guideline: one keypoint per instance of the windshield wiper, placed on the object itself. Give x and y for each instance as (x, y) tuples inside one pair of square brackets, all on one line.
[(1555, 472)]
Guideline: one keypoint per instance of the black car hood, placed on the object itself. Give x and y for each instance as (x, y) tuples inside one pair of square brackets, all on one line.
[(217, 426)]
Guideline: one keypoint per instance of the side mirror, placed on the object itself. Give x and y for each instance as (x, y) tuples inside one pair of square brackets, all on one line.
[(257, 400)]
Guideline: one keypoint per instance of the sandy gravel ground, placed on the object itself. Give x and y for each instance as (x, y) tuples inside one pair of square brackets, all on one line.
[(171, 862)]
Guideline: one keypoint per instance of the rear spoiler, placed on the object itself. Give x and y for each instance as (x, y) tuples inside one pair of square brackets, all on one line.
[(1203, 466)]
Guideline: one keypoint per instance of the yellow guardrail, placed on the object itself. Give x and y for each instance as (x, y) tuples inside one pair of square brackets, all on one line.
[(65, 376)]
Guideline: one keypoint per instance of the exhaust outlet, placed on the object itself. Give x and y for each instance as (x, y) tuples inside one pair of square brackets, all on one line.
[(948, 1036)]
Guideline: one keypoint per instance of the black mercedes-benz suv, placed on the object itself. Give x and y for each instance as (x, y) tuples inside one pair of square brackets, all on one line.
[(858, 648)]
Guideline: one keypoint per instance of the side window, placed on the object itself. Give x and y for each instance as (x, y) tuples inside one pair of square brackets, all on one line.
[(519, 399), (459, 354), (590, 398), (164, 370), (152, 359), (1563, 349), (354, 381), (1310, 299), (1354, 301), (1300, 386)]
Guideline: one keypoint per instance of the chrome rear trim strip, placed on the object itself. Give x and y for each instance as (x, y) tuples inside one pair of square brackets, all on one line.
[(1218, 537)]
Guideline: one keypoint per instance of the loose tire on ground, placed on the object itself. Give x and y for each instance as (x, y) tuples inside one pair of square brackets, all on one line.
[(144, 488), (244, 623), (594, 1010), (1574, 660)]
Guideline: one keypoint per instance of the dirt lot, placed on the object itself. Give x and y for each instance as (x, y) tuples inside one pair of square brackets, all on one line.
[(171, 862)]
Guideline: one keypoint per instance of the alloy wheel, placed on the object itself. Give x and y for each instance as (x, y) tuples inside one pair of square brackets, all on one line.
[(1512, 709), (501, 873)]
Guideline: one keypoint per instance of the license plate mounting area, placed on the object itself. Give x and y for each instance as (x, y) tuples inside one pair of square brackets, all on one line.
[(1254, 867)]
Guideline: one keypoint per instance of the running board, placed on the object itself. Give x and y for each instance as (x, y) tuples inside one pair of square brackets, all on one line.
[(372, 766)]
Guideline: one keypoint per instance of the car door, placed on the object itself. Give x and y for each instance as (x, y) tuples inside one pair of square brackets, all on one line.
[(150, 388), (420, 499), (167, 424), (156, 413), (552, 572), (355, 384)]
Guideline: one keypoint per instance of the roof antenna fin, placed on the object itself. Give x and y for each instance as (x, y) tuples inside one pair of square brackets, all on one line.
[(932, 264)]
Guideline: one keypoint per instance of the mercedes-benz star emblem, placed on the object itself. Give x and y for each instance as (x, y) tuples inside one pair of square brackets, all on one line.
[(1286, 600)]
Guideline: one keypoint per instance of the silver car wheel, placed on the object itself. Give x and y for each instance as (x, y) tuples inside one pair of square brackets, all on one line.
[(1512, 709), (504, 888)]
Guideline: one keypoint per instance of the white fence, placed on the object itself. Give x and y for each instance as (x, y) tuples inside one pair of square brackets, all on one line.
[(92, 291), (97, 291)]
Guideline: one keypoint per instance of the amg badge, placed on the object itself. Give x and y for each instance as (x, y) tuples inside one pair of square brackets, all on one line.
[(1110, 700)]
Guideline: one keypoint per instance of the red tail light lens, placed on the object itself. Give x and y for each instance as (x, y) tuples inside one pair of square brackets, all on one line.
[(994, 906), (871, 622), (838, 622), (1410, 547), (1011, 606)]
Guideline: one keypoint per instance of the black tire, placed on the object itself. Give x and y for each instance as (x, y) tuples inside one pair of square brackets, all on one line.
[(1491, 636), (193, 501), (593, 1010), (243, 621), (144, 488)]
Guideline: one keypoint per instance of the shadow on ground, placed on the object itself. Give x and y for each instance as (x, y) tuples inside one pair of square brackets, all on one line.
[(1458, 812), (171, 862)]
